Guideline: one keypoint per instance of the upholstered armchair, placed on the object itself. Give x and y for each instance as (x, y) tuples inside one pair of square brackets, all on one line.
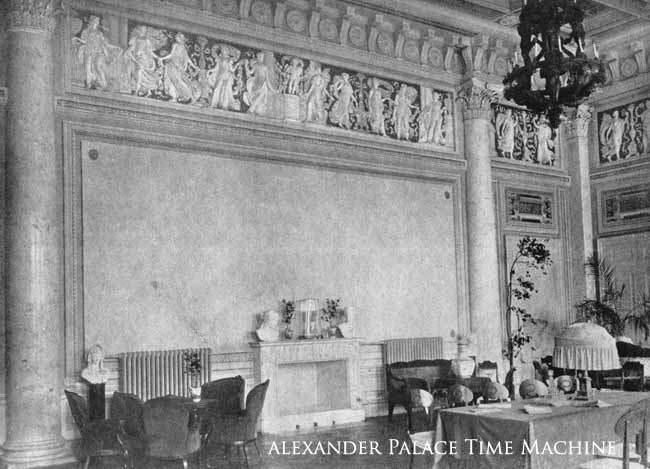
[(168, 435), (226, 395), (128, 409), (239, 429), (99, 438)]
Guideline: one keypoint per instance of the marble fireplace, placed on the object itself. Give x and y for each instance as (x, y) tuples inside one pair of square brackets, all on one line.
[(313, 383)]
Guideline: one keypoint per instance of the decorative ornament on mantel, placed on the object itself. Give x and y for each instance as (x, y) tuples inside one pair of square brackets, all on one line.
[(193, 368), (463, 365), (556, 72)]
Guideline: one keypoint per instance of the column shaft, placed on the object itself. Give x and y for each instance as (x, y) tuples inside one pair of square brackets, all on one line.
[(34, 247)]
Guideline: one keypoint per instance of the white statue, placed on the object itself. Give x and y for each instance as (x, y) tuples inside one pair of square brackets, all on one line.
[(293, 70), (269, 329), (401, 118), (343, 93), (261, 82), (145, 75), (645, 122), (505, 128), (431, 121), (316, 92), (178, 83), (611, 135), (96, 53), (95, 372), (222, 78), (545, 141), (376, 102)]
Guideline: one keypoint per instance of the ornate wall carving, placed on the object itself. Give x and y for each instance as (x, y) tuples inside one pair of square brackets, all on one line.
[(520, 135), (624, 132), (624, 207), (529, 207), (39, 14), (198, 71)]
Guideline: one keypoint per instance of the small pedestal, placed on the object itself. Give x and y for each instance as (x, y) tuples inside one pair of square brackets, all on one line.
[(97, 401)]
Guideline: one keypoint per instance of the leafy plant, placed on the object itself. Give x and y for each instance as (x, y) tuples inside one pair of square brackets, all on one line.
[(606, 308), (332, 310), (640, 318), (192, 363), (531, 255), (288, 311)]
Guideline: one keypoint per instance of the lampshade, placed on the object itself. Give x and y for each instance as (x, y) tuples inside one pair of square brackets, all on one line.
[(585, 346)]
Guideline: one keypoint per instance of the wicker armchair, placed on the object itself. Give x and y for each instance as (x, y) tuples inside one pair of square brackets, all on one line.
[(239, 429), (99, 438)]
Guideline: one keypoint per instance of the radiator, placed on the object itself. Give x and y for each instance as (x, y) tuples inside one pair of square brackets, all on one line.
[(406, 350), (158, 373)]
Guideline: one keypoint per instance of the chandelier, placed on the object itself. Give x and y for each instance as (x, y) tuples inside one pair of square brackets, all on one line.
[(556, 71)]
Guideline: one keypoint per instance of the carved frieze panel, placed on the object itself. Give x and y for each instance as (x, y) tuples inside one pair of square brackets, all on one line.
[(529, 207), (198, 71), (624, 132), (626, 207), (523, 136)]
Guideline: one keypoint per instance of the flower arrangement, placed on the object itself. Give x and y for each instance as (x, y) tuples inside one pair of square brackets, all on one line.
[(332, 311), (288, 312), (192, 363)]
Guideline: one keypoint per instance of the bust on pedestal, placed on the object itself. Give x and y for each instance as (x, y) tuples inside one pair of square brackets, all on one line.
[(96, 375), (269, 329)]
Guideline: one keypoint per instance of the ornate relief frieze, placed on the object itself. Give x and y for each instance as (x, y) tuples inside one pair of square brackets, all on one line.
[(523, 136), (624, 207), (529, 207), (198, 71), (624, 132), (35, 14), (626, 62)]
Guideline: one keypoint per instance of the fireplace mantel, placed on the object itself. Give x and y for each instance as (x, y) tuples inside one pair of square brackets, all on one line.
[(313, 383)]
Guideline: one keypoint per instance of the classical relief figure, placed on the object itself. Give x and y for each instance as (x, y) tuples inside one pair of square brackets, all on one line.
[(222, 78), (505, 129), (316, 92), (611, 136), (401, 117), (144, 74), (177, 81), (545, 141), (645, 124), (431, 121), (344, 103), (376, 100), (96, 54), (261, 82), (293, 72)]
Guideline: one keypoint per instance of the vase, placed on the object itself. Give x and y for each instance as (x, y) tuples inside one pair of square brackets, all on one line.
[(195, 388), (463, 365), (288, 333)]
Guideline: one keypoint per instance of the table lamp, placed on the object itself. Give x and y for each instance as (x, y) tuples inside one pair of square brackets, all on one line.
[(308, 310), (585, 346)]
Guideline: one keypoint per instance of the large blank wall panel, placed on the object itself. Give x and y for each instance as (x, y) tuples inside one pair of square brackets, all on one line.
[(184, 250)]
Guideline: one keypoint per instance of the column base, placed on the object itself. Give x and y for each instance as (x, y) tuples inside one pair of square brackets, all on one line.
[(38, 454)]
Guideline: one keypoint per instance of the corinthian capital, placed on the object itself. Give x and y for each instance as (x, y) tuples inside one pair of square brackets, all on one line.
[(477, 101), (33, 14), (577, 125)]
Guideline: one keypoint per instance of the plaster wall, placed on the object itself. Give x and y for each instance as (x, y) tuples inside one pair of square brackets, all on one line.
[(186, 249)]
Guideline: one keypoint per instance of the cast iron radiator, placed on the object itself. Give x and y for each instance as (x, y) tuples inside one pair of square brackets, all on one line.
[(406, 350), (158, 373)]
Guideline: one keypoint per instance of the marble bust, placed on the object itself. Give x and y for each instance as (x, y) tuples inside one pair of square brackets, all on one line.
[(95, 373), (269, 330)]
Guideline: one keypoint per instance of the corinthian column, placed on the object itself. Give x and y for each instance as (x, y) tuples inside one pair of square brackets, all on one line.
[(483, 274), (576, 133), (33, 243)]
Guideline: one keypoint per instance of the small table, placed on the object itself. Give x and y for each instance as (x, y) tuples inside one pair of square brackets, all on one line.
[(567, 423)]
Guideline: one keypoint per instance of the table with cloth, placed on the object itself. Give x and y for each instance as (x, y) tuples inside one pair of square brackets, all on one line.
[(571, 421)]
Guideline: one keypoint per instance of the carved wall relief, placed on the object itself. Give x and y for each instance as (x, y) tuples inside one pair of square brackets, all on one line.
[(194, 70), (624, 132), (529, 207), (627, 206), (521, 135)]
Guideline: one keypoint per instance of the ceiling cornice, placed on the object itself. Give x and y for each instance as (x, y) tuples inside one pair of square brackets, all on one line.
[(440, 15), (636, 8)]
